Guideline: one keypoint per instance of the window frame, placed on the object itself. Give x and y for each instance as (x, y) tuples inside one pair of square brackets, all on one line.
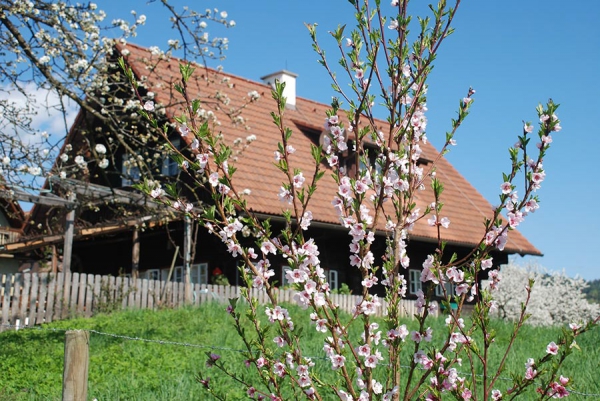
[(200, 270), (450, 288), (414, 283), (169, 167), (284, 281), (148, 274), (129, 174), (331, 280)]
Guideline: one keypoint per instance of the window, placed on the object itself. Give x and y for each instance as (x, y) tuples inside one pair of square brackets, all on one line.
[(449, 289), (284, 280), (370, 156), (414, 281), (332, 279), (169, 167), (199, 273), (177, 274), (152, 274), (130, 172)]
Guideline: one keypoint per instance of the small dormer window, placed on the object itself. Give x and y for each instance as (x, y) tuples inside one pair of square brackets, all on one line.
[(422, 162), (370, 157)]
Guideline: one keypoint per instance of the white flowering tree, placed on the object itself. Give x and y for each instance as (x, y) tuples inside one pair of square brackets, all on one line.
[(380, 62), (555, 298), (57, 65)]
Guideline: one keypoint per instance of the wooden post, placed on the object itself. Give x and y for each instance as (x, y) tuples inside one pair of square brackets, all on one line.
[(75, 373), (135, 254), (187, 259), (54, 260), (162, 294), (69, 229)]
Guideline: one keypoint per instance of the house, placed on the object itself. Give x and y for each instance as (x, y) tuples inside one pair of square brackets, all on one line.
[(12, 223), (157, 246)]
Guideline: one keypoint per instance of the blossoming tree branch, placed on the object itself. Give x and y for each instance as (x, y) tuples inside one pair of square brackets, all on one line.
[(381, 61)]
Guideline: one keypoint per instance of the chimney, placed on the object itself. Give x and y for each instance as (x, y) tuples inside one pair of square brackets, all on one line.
[(289, 78)]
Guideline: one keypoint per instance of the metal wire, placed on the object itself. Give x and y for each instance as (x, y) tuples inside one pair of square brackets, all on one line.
[(214, 347)]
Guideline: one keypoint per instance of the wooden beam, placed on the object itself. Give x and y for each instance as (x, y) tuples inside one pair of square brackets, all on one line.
[(19, 195), (69, 232), (25, 245), (135, 254)]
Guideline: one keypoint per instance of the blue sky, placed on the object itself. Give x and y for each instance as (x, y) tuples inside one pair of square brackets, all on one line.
[(515, 54)]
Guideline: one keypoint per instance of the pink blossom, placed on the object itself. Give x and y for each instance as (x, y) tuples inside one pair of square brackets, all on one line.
[(530, 373), (337, 361), (371, 361), (559, 390), (279, 341), (364, 350), (279, 369), (416, 336), (306, 219), (298, 180), (487, 263), (552, 348), (268, 247), (462, 289), (455, 275), (355, 260), (304, 381), (296, 276), (506, 187), (184, 130), (213, 179), (496, 395), (322, 325), (531, 206), (285, 195)]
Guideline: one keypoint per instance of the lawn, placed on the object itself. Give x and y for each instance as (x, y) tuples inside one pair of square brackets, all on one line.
[(31, 360)]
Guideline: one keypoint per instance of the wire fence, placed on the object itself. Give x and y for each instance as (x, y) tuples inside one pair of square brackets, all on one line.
[(219, 348)]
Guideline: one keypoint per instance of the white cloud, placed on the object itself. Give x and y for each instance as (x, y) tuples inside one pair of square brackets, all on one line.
[(48, 115)]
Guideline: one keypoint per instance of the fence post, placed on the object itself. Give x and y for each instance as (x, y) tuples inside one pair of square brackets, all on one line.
[(75, 373)]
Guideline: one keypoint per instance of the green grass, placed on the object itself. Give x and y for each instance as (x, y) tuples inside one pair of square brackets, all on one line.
[(31, 360)]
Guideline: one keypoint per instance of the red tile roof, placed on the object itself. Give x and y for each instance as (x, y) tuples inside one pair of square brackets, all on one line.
[(463, 205)]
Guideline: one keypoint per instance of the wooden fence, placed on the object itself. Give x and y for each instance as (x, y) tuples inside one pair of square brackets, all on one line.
[(27, 299)]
